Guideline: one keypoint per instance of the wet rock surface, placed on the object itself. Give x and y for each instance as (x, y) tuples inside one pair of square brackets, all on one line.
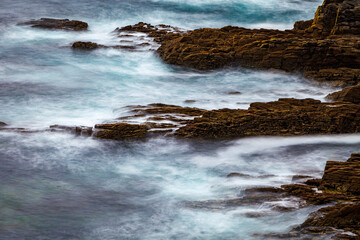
[(282, 118), (86, 45), (62, 24), (339, 186), (340, 216), (120, 131), (325, 48), (348, 94), (342, 177), (159, 32)]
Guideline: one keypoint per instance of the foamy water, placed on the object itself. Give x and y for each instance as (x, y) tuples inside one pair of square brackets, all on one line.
[(58, 186)]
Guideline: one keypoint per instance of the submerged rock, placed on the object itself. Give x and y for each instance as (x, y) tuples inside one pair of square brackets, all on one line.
[(120, 131), (239, 175), (63, 24), (77, 130)]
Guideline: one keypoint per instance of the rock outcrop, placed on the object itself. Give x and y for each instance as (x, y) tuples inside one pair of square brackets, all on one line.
[(63, 24), (159, 32), (86, 45), (340, 183), (348, 94), (341, 216), (120, 131), (283, 117), (342, 177), (326, 48)]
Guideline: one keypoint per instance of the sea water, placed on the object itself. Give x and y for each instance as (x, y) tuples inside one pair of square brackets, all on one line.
[(59, 186)]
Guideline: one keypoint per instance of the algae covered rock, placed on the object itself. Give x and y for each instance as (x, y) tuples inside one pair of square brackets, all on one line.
[(120, 131)]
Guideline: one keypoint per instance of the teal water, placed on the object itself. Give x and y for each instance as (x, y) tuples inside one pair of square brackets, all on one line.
[(58, 186)]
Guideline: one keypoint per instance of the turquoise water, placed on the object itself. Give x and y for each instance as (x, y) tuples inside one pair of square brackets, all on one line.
[(58, 186)]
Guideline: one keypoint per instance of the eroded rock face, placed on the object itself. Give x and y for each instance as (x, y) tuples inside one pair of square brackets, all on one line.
[(341, 216), (343, 177), (63, 24), (337, 17), (120, 131), (316, 47), (348, 94), (283, 117)]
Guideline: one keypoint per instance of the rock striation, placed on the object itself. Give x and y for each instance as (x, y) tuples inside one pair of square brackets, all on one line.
[(326, 48), (342, 177), (283, 117), (120, 131), (62, 24), (348, 94)]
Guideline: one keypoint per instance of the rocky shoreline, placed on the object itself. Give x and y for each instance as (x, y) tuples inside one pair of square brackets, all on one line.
[(326, 48)]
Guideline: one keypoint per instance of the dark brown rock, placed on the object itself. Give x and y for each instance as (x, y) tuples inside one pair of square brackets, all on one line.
[(319, 48), (240, 175), (264, 190), (302, 25), (86, 45), (283, 117), (348, 94), (63, 24), (120, 131), (160, 32), (341, 216), (2, 124), (313, 182), (342, 177)]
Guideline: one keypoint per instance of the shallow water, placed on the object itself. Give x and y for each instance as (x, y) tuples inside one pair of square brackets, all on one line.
[(57, 186)]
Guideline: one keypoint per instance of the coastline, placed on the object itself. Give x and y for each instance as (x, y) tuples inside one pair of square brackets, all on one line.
[(324, 49)]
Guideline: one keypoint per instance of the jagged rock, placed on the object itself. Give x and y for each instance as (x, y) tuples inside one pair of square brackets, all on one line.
[(348, 94), (159, 32), (337, 17), (319, 50), (63, 24), (2, 124), (86, 45), (343, 177), (302, 25), (282, 117), (120, 131), (313, 182), (341, 216)]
